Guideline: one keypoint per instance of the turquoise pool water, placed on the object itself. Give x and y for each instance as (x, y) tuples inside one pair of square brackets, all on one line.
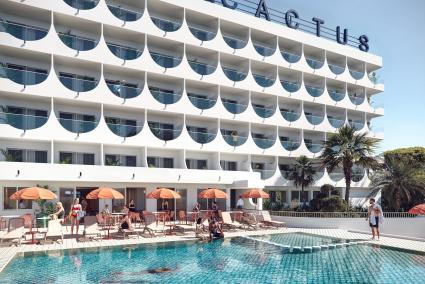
[(300, 239), (235, 260)]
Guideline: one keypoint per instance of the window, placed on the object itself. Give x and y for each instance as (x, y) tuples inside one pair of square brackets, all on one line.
[(228, 165), (76, 158), (14, 204), (315, 193), (65, 158), (196, 164), (131, 161), (158, 162), (28, 156), (88, 159), (295, 196), (304, 196), (16, 155), (273, 196)]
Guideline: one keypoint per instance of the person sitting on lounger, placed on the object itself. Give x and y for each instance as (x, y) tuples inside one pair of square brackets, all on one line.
[(126, 223), (215, 231)]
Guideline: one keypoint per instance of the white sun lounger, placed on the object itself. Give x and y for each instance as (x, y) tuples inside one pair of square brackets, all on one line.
[(91, 228), (54, 230), (228, 222), (268, 220), (15, 232)]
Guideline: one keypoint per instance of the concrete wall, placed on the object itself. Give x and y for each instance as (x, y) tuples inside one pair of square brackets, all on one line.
[(406, 227)]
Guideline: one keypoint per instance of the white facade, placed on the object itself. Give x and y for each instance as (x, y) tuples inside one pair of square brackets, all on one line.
[(104, 101)]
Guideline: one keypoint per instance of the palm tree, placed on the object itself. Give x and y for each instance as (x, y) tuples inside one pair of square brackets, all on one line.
[(345, 149), (401, 180), (7, 156), (303, 174)]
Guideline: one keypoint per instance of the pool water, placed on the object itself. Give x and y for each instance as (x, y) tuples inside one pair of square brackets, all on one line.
[(300, 239), (236, 260)]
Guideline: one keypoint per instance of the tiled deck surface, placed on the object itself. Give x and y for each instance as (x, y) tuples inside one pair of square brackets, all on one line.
[(7, 253)]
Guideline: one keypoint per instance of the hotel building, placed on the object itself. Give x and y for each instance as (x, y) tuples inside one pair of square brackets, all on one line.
[(136, 94)]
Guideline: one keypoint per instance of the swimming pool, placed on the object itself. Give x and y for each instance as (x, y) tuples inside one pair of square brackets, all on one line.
[(237, 260)]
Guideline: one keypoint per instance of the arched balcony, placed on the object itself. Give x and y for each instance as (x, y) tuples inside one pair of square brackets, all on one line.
[(291, 80), (356, 120), (165, 53), (164, 126), (357, 173), (236, 36), (291, 51), (264, 107), (356, 67), (336, 89), (28, 25), (264, 74), (235, 68), (336, 117), (126, 10), (126, 45), (286, 167), (265, 44), (264, 136), (203, 96), (235, 134), (80, 35), (290, 109), (202, 62), (372, 73), (315, 86), (123, 122), (82, 4), (314, 141), (314, 113), (315, 57), (78, 76), (124, 83), (35, 70), (266, 166), (202, 26), (25, 114), (166, 17), (234, 101), (290, 138), (85, 120), (337, 63), (336, 175), (202, 130), (356, 94), (165, 90)]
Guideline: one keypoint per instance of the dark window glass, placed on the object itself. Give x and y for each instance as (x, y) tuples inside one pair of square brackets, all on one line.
[(168, 163), (41, 157), (130, 161), (88, 159), (18, 155)]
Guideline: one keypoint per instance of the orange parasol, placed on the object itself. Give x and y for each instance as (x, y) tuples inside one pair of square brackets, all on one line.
[(255, 193), (212, 193), (163, 193), (33, 193), (418, 209), (105, 193)]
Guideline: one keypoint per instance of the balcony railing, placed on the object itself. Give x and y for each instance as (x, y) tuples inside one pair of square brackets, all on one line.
[(314, 147), (314, 119), (201, 103), (123, 91), (234, 43), (290, 115), (167, 25), (263, 81), (290, 86), (77, 42), (165, 134), (336, 69), (82, 4), (319, 174), (124, 130), (264, 143), (78, 85), (202, 137), (234, 75), (202, 34), (202, 68), (287, 173), (124, 52), (314, 91), (336, 95), (336, 122), (290, 145), (166, 61), (356, 74), (265, 174), (264, 112), (234, 140), (314, 63), (22, 77), (124, 14), (357, 176), (22, 121), (291, 57), (357, 125), (336, 176), (166, 98), (263, 49), (22, 31), (77, 126), (235, 108), (356, 99)]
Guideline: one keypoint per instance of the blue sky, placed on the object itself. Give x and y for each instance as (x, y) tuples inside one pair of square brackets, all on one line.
[(396, 30)]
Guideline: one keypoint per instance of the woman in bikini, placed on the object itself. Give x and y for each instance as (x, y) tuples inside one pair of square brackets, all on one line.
[(75, 219)]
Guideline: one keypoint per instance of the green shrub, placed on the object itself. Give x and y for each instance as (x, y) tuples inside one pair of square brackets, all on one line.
[(334, 204)]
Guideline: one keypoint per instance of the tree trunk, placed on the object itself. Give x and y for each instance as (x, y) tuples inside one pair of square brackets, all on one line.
[(302, 195), (347, 175)]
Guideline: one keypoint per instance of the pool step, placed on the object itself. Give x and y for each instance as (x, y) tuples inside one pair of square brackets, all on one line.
[(306, 249)]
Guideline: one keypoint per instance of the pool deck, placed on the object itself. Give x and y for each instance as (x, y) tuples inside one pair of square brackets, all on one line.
[(8, 253)]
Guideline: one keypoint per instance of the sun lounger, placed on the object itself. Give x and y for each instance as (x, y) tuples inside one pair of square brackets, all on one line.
[(152, 226), (91, 228), (16, 231), (268, 220), (228, 222), (54, 230), (250, 221)]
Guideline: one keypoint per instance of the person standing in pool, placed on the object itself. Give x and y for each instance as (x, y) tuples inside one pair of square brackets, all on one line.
[(375, 217)]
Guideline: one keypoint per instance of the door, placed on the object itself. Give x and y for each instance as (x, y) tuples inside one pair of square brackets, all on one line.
[(92, 207), (233, 198)]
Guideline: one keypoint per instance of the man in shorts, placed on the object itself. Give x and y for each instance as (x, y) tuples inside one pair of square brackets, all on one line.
[(375, 217)]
